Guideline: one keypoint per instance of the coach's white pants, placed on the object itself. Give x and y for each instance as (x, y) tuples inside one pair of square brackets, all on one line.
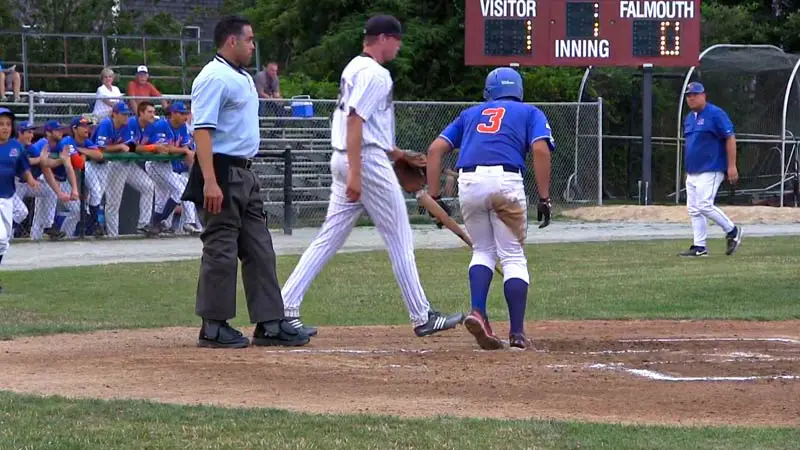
[(491, 238), (121, 173), (44, 206), (382, 198), (701, 190), (6, 223)]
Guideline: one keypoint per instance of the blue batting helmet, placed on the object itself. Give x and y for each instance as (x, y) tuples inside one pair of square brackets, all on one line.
[(503, 82)]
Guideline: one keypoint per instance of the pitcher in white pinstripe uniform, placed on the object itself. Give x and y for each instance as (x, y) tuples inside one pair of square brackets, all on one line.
[(362, 136)]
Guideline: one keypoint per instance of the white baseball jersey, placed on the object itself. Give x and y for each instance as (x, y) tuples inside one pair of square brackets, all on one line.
[(366, 87)]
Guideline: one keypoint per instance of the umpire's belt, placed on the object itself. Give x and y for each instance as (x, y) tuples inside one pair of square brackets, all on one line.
[(234, 161), (506, 168)]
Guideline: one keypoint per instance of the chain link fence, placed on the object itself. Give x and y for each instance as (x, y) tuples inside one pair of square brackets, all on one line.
[(127, 197)]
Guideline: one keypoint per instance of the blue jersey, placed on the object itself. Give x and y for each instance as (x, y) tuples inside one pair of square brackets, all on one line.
[(162, 132), (498, 132), (13, 163), (706, 133), (35, 151), (105, 134), (142, 135), (70, 145)]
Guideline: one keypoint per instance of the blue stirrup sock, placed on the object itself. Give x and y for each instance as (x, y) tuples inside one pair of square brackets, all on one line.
[(516, 291), (480, 277)]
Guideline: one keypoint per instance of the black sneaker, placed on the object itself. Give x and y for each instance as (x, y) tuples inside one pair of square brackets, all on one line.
[(734, 239), (298, 325), (54, 233), (694, 251), (438, 322), (218, 334), (279, 332)]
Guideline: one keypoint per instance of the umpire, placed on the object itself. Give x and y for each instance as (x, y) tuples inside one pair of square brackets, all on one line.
[(226, 191)]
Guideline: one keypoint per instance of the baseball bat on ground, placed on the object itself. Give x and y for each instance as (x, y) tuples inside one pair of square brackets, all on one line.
[(424, 199)]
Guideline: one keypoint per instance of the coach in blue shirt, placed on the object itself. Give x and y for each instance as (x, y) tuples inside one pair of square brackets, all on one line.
[(710, 156), (227, 136)]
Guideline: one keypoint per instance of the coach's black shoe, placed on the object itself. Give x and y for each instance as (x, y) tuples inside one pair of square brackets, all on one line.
[(438, 322), (218, 334), (694, 251), (279, 332), (734, 239), (298, 325)]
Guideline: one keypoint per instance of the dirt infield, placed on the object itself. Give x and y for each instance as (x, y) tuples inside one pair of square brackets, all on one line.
[(677, 372), (678, 214)]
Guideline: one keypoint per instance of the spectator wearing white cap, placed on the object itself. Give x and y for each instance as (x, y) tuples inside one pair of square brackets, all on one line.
[(107, 95), (142, 87)]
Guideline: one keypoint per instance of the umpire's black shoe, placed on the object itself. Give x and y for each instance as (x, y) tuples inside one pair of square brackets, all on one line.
[(298, 325), (694, 251), (279, 332), (218, 334), (734, 239), (438, 322)]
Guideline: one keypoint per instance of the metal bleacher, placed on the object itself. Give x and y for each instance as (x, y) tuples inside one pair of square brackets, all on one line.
[(309, 140)]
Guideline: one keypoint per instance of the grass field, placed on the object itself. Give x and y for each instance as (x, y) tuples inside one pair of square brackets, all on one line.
[(620, 280)]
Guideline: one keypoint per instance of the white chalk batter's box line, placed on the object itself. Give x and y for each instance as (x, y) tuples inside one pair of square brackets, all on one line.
[(660, 376), (350, 351)]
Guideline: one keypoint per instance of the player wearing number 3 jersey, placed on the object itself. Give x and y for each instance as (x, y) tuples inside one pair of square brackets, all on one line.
[(494, 139)]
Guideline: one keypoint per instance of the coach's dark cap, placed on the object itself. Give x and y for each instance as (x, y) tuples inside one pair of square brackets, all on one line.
[(383, 24)]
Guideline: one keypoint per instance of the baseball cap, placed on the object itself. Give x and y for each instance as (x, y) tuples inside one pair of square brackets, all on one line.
[(81, 121), (694, 88), (121, 108), (383, 24), (53, 125), (26, 126), (178, 107), (141, 69), (7, 112)]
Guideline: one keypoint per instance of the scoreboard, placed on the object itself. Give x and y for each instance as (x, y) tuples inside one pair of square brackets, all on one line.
[(582, 32)]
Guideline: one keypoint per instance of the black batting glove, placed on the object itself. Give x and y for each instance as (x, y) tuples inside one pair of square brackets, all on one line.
[(544, 212)]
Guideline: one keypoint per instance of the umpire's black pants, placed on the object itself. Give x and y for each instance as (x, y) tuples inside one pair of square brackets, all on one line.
[(239, 231)]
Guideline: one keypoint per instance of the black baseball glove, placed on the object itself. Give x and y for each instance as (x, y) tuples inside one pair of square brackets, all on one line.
[(444, 206), (544, 210)]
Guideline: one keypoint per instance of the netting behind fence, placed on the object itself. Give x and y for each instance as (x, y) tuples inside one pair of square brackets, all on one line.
[(302, 127), (750, 84)]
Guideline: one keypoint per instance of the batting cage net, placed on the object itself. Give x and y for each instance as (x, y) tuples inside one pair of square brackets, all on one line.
[(126, 195), (756, 86)]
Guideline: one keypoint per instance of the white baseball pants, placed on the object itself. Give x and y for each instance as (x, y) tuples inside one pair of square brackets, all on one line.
[(491, 238), (6, 223), (701, 190), (382, 199), (122, 173), (44, 207), (189, 214), (73, 208)]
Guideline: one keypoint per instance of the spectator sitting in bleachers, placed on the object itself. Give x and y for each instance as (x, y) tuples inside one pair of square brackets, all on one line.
[(142, 87), (106, 95), (10, 81)]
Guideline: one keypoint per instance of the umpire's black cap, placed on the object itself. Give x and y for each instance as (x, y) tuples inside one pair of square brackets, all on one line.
[(383, 24)]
